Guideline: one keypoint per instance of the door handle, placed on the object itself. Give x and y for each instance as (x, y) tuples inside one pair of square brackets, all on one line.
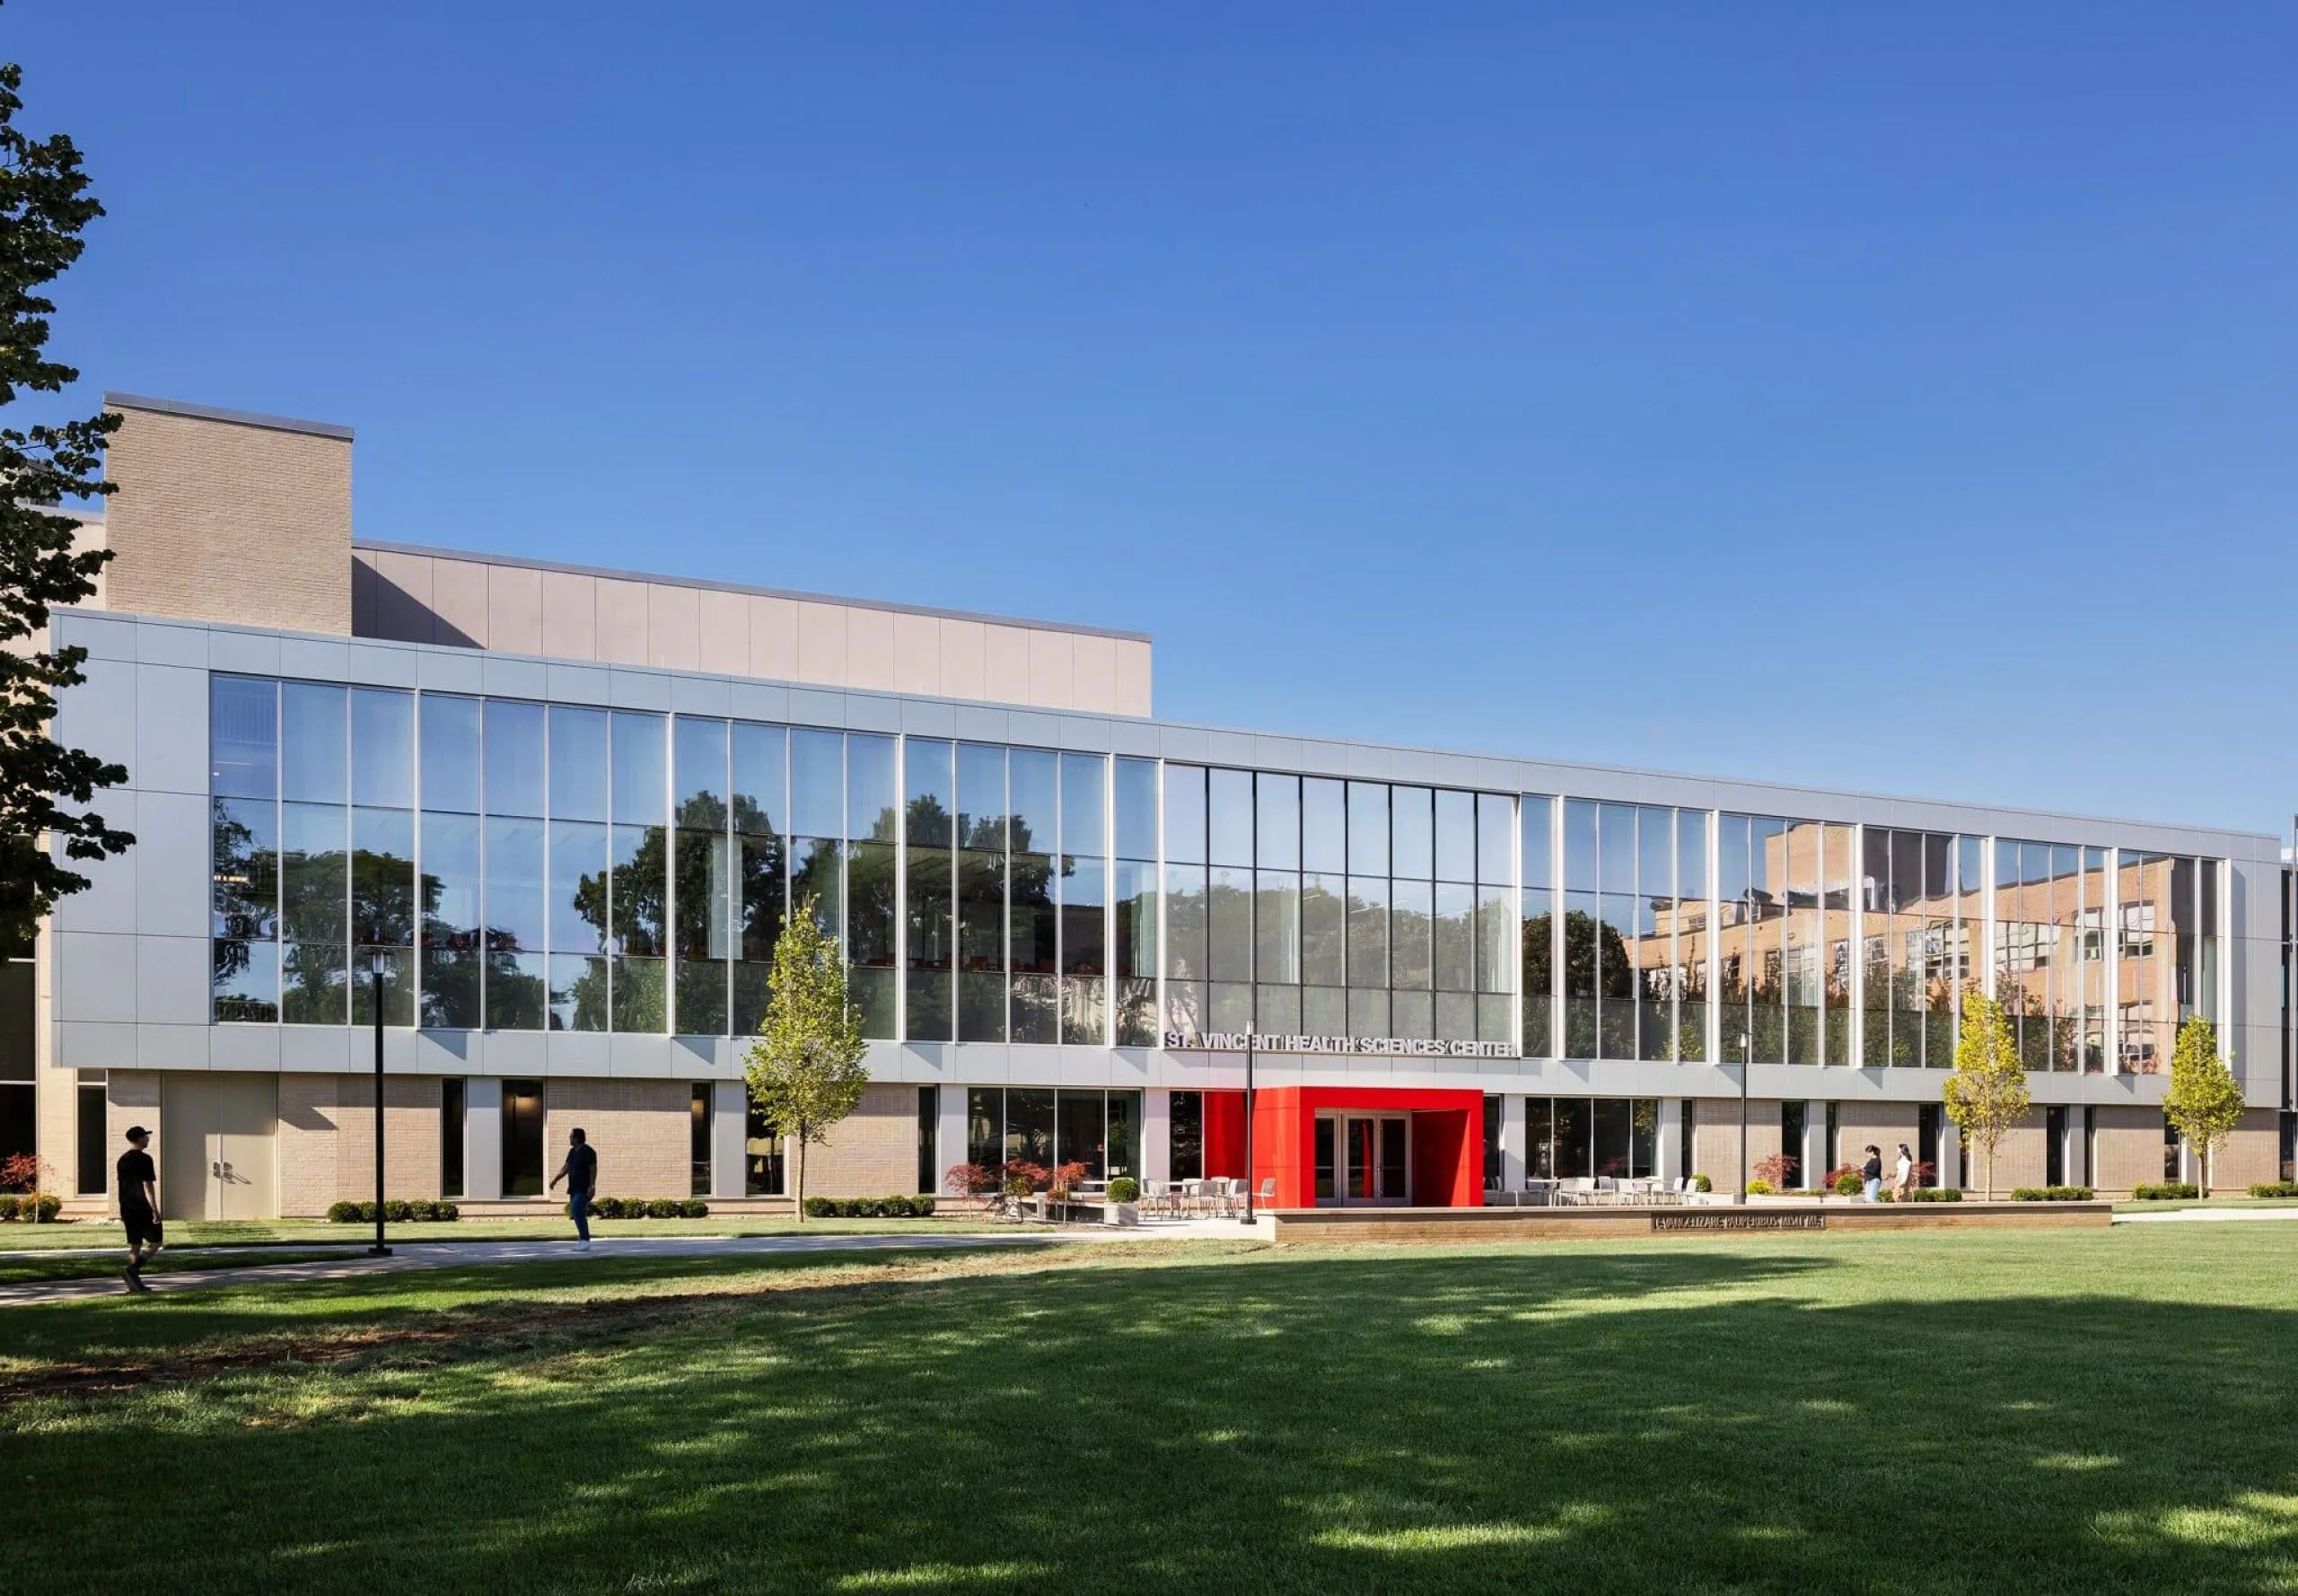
[(215, 1170)]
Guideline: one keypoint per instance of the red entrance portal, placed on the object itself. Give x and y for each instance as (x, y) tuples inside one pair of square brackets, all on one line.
[(1447, 1138)]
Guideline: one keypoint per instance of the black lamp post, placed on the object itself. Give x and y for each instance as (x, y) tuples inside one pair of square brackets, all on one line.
[(1249, 1038), (375, 968)]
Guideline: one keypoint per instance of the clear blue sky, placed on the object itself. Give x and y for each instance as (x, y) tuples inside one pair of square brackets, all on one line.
[(1907, 403)]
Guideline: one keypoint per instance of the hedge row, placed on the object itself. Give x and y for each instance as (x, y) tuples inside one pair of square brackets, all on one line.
[(29, 1207), (884, 1207), (2168, 1191), (398, 1211), (649, 1208), (2052, 1194), (2275, 1188), (1934, 1194)]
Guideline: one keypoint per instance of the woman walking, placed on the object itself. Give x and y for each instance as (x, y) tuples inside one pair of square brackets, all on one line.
[(1906, 1174)]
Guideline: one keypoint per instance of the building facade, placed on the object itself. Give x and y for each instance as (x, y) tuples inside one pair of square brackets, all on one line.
[(550, 822)]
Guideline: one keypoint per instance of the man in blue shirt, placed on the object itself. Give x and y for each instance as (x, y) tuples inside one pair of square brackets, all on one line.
[(581, 1172)]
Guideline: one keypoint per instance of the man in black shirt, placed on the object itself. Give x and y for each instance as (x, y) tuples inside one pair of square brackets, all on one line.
[(139, 1206), (581, 1173)]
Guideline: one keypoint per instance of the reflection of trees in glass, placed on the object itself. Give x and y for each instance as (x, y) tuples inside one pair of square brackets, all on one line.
[(247, 887), (1595, 957)]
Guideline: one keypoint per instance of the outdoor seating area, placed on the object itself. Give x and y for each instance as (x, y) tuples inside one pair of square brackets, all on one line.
[(1215, 1197), (1593, 1191)]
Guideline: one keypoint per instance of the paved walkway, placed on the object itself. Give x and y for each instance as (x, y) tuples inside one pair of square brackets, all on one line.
[(441, 1255), (2206, 1215)]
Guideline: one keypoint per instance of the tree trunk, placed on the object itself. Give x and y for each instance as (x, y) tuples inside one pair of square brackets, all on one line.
[(799, 1206), (1990, 1172)]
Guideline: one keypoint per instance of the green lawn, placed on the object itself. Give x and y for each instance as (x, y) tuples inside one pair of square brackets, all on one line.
[(2010, 1411)]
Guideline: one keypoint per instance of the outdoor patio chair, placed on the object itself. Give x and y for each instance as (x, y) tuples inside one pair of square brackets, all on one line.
[(1268, 1193)]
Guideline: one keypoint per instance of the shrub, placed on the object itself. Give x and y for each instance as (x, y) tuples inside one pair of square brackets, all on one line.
[(1844, 1180), (1775, 1171), (2275, 1188), (1702, 1183), (398, 1211), (2051, 1194), (970, 1179), (9, 1203), (41, 1208), (881, 1207), (1065, 1180), (2166, 1191), (1934, 1194), (694, 1208), (1759, 1186), (1124, 1189), (665, 1208)]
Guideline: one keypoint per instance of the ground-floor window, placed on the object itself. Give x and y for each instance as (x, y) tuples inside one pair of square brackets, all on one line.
[(523, 1156), (1570, 1138), (699, 1141), (2170, 1149), (1795, 1120), (19, 1119), (1684, 1141), (1929, 1118), (1185, 1129), (450, 1138), (762, 1169), (1041, 1125), (1491, 1143), (929, 1115), (91, 1168)]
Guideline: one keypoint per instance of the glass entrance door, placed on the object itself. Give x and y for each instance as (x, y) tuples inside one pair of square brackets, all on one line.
[(1365, 1159)]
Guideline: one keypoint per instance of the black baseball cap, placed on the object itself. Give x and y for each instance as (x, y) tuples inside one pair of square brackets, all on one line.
[(137, 1133)]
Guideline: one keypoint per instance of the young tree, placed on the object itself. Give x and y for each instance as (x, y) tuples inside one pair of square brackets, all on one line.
[(1987, 1094), (43, 206), (2204, 1103), (805, 1069)]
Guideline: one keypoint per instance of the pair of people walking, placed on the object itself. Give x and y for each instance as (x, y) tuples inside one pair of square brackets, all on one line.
[(1871, 1174), (139, 1197)]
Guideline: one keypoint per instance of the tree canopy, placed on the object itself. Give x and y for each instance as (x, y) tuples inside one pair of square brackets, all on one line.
[(44, 205), (806, 1068), (2204, 1101), (1986, 1095)]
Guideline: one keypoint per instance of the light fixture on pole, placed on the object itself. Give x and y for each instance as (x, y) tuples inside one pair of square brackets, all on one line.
[(375, 968), (1249, 1040)]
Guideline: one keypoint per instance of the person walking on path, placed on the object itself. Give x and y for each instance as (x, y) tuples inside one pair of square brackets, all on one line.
[(139, 1206), (1871, 1173), (1904, 1174), (581, 1172)]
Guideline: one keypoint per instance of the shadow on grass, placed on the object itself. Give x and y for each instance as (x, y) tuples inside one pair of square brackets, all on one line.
[(1679, 1420)]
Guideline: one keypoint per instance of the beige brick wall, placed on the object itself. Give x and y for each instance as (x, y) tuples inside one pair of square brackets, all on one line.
[(228, 521), (2126, 1147), (412, 1138), (2253, 1152), (1886, 1125), (2020, 1159), (131, 1097), (1715, 1137), (642, 1130), (872, 1153)]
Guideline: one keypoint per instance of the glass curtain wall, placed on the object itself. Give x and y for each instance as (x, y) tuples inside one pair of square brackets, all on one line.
[(1919, 927), (1320, 907), (1133, 809), (2050, 971), (1537, 930), (2168, 957), (1784, 908), (1635, 931)]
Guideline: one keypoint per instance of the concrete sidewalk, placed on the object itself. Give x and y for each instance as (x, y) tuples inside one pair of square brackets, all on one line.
[(443, 1255), (2206, 1215)]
